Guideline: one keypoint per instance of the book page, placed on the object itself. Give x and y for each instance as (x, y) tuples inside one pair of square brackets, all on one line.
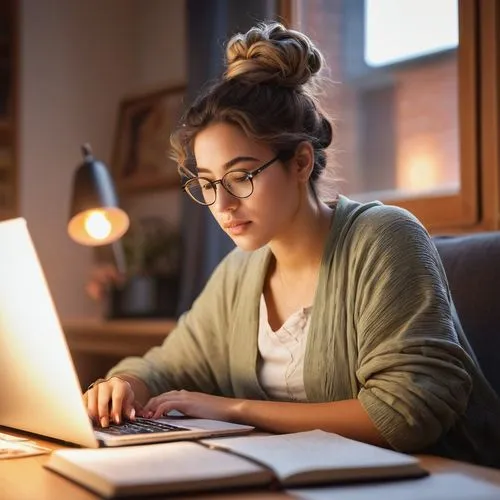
[(289, 454), (446, 486)]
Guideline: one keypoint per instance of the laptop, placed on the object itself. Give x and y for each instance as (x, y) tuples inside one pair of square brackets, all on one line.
[(40, 392)]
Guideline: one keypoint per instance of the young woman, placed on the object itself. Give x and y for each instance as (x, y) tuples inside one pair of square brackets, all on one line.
[(333, 315)]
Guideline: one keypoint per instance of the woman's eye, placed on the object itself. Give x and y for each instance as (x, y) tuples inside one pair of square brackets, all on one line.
[(240, 178)]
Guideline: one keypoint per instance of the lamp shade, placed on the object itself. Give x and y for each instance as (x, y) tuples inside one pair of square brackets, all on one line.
[(95, 217)]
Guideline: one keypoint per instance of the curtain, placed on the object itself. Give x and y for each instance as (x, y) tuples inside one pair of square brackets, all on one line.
[(209, 23)]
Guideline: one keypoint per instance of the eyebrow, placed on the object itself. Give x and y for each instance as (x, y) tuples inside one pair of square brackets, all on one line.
[(230, 163)]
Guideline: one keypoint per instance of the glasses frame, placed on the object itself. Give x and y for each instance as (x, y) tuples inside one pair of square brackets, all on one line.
[(250, 175)]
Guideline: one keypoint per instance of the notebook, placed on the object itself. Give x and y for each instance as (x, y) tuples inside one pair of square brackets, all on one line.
[(40, 389), (306, 459)]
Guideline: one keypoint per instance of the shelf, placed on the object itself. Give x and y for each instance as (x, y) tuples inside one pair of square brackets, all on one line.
[(115, 337)]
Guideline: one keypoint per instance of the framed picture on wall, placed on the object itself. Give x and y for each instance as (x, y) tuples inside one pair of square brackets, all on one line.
[(141, 150)]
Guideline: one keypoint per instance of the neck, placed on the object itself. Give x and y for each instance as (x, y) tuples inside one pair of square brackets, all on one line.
[(293, 276), (300, 249)]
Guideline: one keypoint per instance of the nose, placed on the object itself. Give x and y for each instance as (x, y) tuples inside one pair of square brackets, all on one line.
[(225, 201)]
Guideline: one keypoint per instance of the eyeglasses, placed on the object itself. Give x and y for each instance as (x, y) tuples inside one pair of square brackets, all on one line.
[(238, 183)]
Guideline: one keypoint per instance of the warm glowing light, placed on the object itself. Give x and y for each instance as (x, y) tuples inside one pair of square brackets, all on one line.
[(97, 225), (420, 173)]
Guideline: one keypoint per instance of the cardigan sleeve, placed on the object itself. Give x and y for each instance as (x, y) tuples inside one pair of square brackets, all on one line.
[(194, 356), (413, 372)]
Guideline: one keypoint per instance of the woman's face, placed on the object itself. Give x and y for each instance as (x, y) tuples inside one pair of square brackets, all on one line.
[(270, 210)]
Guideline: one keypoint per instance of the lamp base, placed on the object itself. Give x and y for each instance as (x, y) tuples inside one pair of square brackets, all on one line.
[(144, 297)]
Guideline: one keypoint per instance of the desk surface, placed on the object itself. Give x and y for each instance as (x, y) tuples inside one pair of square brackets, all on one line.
[(27, 479)]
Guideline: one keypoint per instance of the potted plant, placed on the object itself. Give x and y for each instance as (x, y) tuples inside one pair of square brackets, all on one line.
[(150, 286)]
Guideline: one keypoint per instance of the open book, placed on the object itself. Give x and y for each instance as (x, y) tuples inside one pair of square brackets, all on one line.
[(285, 460)]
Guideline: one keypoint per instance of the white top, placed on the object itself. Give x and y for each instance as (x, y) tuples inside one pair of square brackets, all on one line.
[(281, 371)]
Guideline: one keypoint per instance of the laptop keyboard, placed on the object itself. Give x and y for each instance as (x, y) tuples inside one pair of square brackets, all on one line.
[(140, 426)]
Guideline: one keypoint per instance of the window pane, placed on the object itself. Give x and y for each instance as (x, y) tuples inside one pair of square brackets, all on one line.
[(400, 30), (395, 97)]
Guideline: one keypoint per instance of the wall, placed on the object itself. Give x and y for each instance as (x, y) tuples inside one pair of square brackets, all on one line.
[(77, 59), (427, 134), (161, 45)]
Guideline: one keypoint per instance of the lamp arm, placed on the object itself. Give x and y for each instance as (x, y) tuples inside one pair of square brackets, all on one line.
[(119, 257)]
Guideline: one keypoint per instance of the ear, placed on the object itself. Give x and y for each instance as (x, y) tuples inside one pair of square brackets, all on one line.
[(303, 161)]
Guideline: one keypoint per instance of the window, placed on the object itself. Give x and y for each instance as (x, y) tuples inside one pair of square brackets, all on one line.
[(405, 101), (401, 30)]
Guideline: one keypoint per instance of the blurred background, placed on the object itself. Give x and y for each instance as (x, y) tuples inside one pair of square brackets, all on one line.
[(413, 92)]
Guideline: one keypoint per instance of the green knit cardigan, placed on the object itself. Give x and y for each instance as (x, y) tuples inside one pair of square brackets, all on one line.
[(383, 330)]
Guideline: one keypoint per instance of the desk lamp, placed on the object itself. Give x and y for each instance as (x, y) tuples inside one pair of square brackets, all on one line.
[(95, 217)]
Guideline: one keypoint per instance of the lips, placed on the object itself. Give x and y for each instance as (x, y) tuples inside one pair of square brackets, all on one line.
[(234, 223), (236, 227)]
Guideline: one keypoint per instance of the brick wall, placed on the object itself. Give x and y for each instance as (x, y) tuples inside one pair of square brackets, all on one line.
[(422, 116)]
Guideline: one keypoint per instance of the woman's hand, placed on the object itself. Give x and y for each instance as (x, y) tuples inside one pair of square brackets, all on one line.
[(111, 399), (193, 404)]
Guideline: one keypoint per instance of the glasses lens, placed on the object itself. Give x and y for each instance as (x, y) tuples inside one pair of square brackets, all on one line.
[(201, 190), (238, 183)]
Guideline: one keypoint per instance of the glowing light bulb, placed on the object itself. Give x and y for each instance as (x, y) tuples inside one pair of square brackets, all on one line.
[(97, 225)]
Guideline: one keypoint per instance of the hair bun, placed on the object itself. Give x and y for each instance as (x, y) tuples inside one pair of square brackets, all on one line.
[(272, 53)]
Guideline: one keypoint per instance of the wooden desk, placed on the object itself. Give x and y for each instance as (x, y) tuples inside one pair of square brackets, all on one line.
[(27, 479), (97, 345)]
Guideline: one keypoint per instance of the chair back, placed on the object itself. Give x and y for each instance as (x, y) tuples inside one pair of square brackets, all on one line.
[(473, 274)]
